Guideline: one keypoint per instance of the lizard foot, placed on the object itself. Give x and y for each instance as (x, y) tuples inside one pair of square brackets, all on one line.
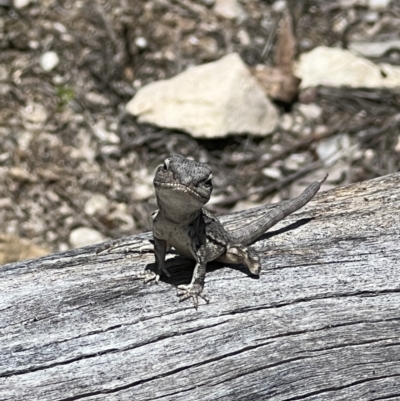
[(193, 291), (149, 275)]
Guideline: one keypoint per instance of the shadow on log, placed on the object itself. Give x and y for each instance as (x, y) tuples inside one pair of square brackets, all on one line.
[(321, 323)]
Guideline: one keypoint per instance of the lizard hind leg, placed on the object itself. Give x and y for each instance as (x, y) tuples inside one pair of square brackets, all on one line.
[(240, 254)]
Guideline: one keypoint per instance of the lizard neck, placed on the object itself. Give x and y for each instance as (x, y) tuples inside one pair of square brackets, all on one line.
[(178, 210), (178, 217)]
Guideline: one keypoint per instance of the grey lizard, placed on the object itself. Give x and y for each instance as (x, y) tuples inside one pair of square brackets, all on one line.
[(183, 187)]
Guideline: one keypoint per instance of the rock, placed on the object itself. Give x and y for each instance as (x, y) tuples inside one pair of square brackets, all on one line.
[(84, 236), (21, 3), (208, 101), (374, 49), (310, 111), (379, 5), (98, 203), (272, 172), (49, 60), (141, 42), (338, 67), (229, 9)]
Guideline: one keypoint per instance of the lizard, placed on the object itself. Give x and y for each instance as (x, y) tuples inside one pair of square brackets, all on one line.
[(183, 186)]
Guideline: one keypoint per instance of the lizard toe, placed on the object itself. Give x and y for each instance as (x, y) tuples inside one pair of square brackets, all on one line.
[(192, 291)]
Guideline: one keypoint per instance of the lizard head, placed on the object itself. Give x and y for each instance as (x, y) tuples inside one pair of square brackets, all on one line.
[(183, 183)]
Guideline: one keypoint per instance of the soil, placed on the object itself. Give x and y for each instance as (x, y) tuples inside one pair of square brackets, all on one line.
[(65, 136)]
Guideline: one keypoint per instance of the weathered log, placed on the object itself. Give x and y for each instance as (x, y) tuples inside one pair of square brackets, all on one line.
[(321, 323)]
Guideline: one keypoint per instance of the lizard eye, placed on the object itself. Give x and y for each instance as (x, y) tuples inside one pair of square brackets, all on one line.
[(208, 183)]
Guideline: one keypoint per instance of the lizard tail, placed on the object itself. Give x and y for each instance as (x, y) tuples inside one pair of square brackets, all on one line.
[(251, 232)]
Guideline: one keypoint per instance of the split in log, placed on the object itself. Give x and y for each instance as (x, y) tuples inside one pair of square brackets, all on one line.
[(322, 322)]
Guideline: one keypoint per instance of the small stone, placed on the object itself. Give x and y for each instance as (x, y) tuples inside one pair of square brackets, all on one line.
[(286, 122), (371, 16), (49, 60), (279, 6), (105, 135), (397, 147), (272, 172), (244, 37), (21, 3), (97, 204), (141, 42), (379, 5), (84, 236), (97, 98), (229, 9), (310, 111)]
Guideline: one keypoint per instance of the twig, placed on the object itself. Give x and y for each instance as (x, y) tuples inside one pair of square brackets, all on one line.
[(264, 191)]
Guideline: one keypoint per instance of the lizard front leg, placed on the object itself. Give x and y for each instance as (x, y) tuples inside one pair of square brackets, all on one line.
[(160, 249), (194, 290)]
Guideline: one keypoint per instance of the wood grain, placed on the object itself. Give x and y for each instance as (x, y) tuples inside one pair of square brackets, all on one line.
[(321, 323)]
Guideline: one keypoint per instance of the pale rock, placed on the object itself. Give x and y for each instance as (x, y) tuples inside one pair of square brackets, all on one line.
[(397, 147), (104, 134), (141, 42), (49, 60), (244, 37), (21, 3), (279, 6), (379, 5), (209, 101), (96, 204), (352, 3), (84, 236), (374, 49), (371, 16), (229, 9), (58, 26), (97, 98), (338, 67), (310, 111), (272, 172), (286, 122)]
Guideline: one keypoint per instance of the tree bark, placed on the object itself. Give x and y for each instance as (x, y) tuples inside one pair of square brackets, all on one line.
[(322, 322)]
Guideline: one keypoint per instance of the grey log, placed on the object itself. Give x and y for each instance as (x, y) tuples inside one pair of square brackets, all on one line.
[(321, 323)]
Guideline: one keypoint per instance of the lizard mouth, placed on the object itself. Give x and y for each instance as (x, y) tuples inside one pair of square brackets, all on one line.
[(180, 188)]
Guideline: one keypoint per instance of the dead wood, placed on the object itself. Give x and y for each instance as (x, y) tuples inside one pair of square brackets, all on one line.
[(321, 323)]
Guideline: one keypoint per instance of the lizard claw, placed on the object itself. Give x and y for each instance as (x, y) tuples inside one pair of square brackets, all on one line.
[(193, 291), (147, 276)]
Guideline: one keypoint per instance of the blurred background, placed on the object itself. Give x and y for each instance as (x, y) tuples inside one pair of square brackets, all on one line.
[(308, 87)]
